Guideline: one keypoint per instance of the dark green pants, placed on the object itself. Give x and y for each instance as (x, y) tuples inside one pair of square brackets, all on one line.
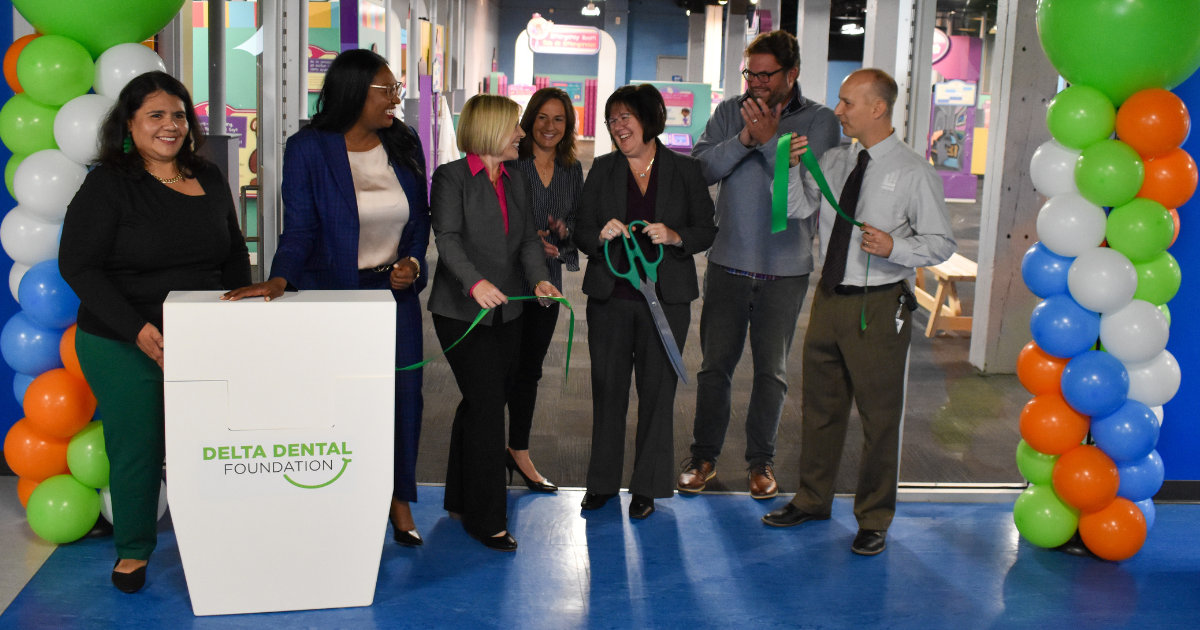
[(129, 389), (844, 364)]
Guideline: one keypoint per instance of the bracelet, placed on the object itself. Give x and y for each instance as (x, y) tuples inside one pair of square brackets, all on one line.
[(417, 264)]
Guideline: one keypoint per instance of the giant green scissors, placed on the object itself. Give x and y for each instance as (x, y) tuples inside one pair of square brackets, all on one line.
[(646, 284)]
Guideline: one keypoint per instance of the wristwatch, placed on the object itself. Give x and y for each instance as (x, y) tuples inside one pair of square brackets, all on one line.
[(416, 263)]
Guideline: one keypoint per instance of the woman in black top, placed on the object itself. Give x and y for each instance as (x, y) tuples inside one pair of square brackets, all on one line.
[(644, 181), (547, 157), (151, 218)]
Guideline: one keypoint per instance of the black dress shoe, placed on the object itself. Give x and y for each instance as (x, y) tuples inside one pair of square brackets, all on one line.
[(129, 582), (498, 543), (640, 507), (545, 485), (595, 500), (869, 542), (407, 539), (790, 515)]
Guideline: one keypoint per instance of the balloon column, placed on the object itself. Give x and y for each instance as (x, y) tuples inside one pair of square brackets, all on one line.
[(51, 126), (1098, 366)]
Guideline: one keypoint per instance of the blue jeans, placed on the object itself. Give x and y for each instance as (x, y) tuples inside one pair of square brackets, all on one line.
[(768, 309)]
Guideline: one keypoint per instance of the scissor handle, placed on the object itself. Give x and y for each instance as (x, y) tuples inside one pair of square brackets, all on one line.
[(634, 252)]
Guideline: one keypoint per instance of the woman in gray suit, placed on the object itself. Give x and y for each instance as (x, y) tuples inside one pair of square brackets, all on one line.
[(644, 181), (485, 236)]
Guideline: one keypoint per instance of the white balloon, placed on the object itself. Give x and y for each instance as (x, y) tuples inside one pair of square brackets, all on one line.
[(1136, 333), (106, 502), (1053, 169), (14, 278), (1158, 413), (77, 126), (45, 183), (1070, 225), (1102, 280), (121, 63), (28, 240), (1154, 382)]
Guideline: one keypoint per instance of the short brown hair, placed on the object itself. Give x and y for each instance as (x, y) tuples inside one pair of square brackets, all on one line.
[(883, 85), (565, 151), (779, 44), (486, 124), (645, 103)]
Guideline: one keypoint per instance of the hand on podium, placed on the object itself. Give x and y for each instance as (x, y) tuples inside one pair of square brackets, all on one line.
[(270, 289)]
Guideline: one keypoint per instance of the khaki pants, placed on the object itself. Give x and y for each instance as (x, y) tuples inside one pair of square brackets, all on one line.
[(843, 363)]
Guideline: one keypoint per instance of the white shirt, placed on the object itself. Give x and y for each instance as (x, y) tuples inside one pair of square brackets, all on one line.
[(901, 194), (382, 207)]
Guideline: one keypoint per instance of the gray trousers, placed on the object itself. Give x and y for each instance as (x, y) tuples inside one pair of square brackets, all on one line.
[(769, 310)]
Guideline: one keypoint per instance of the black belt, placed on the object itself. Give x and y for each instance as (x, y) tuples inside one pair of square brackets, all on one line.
[(847, 289), (380, 269)]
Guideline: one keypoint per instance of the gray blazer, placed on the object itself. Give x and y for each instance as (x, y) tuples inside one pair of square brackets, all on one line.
[(468, 230), (683, 204)]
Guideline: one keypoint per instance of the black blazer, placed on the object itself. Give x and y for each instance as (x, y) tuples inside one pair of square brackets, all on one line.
[(468, 229), (682, 204)]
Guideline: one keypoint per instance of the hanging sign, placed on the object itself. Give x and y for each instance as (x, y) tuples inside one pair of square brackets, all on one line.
[(556, 39)]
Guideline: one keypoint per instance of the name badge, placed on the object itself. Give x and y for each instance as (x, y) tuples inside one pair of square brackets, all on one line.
[(889, 181)]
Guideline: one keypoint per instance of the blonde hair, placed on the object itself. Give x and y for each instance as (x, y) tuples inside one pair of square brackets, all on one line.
[(487, 124)]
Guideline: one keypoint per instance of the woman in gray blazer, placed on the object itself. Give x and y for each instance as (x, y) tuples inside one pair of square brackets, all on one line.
[(485, 236), (643, 181)]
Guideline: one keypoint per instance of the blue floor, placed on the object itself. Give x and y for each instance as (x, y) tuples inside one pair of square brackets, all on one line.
[(698, 562)]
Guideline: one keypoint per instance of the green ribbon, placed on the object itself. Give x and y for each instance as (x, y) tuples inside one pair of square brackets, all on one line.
[(483, 313), (779, 188)]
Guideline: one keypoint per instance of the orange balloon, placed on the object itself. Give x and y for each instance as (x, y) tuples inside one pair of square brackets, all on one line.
[(1153, 122), (1051, 426), (1116, 531), (58, 404), (32, 455), (10, 61), (1170, 179), (1085, 478), (24, 489), (1039, 372), (1175, 218), (66, 350)]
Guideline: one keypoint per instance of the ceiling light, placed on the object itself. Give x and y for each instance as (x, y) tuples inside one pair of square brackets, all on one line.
[(591, 10), (753, 1), (853, 29), (993, 30), (722, 2)]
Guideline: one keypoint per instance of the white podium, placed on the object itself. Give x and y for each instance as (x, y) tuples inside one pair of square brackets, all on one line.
[(279, 440)]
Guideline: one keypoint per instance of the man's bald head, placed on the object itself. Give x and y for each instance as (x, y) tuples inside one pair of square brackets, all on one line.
[(882, 85)]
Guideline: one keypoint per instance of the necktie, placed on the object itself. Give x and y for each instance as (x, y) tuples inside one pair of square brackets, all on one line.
[(834, 269)]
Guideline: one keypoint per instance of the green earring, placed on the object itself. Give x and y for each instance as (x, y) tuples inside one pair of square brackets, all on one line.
[(128, 142)]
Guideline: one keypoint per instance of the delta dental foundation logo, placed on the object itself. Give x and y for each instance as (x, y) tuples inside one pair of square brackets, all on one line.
[(314, 457)]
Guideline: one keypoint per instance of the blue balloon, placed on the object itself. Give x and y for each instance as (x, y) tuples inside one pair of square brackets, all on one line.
[(28, 348), (1128, 434), (1095, 383), (20, 384), (1148, 511), (45, 296), (1142, 478), (1044, 272), (1063, 328)]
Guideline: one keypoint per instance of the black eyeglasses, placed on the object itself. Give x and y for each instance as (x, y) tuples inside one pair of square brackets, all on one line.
[(619, 118), (762, 77), (393, 90)]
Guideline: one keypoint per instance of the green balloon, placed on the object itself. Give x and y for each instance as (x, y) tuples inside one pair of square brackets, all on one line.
[(62, 510), (1042, 518), (99, 24), (1035, 467), (87, 458), (27, 126), (1166, 311), (1109, 173), (10, 171), (1121, 46), (1140, 229), (1079, 117), (53, 70), (1158, 279)]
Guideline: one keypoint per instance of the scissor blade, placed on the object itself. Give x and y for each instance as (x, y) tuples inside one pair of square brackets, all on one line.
[(664, 329)]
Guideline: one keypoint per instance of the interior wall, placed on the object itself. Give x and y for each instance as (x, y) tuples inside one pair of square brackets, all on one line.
[(482, 37), (656, 28)]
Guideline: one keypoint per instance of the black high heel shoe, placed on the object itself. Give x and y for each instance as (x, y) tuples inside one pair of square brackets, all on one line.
[(545, 485), (131, 582), (406, 539)]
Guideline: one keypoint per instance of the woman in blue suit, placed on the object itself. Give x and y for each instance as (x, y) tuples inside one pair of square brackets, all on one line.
[(356, 216)]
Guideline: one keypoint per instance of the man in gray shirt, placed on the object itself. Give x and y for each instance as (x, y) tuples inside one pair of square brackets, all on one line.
[(856, 345), (755, 280)]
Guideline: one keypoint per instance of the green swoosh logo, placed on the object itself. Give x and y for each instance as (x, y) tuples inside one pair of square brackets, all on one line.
[(345, 462)]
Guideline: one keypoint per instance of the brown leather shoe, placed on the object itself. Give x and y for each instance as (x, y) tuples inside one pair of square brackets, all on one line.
[(762, 482), (696, 473)]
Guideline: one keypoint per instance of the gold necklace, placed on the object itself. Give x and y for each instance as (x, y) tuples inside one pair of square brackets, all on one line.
[(172, 180), (648, 166)]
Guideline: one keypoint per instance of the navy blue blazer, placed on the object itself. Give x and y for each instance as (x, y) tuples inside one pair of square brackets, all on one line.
[(319, 245)]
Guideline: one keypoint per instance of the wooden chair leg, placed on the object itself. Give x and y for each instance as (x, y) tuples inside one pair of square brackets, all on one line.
[(936, 312)]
